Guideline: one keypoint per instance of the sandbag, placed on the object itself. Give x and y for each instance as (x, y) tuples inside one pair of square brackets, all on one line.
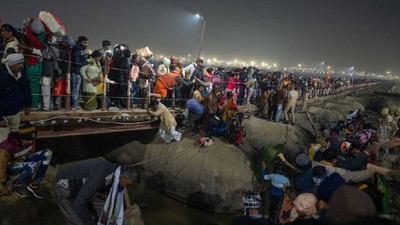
[(51, 23), (144, 52), (37, 27)]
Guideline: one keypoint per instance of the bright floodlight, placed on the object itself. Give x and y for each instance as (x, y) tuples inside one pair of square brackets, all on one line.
[(199, 16)]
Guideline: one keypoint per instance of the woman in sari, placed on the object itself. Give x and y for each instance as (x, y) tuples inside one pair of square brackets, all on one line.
[(229, 107), (91, 77)]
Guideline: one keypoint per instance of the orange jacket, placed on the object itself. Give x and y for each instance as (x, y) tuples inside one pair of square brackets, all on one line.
[(168, 79)]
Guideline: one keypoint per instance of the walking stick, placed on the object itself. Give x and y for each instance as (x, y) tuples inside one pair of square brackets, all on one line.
[(173, 97), (128, 93), (104, 96), (68, 89)]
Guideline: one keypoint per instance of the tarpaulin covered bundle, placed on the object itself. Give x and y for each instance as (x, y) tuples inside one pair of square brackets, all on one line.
[(51, 23), (268, 154)]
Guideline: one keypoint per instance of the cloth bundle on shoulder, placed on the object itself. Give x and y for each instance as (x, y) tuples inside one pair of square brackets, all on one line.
[(144, 52), (51, 23)]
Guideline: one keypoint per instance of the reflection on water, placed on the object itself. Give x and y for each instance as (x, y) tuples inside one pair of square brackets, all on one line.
[(163, 210)]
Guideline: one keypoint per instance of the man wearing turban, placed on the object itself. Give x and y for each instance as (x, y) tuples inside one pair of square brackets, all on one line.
[(15, 94)]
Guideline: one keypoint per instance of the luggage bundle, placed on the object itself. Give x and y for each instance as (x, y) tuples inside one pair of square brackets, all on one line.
[(144, 52), (51, 23)]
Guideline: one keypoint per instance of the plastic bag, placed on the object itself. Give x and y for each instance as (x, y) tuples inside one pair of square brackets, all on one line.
[(37, 27), (59, 88)]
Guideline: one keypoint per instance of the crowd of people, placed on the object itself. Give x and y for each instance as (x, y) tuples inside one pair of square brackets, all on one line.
[(127, 77), (339, 180), (337, 172)]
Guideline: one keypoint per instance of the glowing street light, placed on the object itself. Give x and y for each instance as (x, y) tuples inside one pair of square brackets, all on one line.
[(202, 33)]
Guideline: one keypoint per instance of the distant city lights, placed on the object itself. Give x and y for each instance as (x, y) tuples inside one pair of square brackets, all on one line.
[(323, 69)]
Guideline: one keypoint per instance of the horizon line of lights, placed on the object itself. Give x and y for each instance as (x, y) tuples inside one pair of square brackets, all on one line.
[(299, 68)]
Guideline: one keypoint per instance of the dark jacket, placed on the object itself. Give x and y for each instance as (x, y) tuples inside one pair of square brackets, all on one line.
[(278, 97), (15, 95), (85, 179), (78, 58), (350, 163)]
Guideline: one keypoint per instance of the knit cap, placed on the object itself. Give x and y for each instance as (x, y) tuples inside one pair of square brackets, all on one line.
[(302, 161)]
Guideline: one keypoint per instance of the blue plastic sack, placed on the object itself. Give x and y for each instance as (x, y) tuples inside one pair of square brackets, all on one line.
[(37, 27)]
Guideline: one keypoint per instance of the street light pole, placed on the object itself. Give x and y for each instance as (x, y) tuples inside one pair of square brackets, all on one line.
[(202, 33)]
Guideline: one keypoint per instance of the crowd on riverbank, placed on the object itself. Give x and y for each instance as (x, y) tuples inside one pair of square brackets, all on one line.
[(211, 96)]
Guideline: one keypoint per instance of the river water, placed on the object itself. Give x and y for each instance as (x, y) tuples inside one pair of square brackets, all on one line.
[(161, 209)]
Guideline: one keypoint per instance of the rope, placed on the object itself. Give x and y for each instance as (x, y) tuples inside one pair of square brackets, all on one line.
[(93, 120), (161, 157)]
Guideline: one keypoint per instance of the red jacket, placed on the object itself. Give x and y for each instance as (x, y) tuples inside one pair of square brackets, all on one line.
[(34, 42)]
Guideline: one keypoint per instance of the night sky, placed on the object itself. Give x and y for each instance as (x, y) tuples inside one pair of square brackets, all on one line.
[(344, 33)]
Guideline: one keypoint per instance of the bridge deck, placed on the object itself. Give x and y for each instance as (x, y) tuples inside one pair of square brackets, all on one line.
[(69, 123)]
